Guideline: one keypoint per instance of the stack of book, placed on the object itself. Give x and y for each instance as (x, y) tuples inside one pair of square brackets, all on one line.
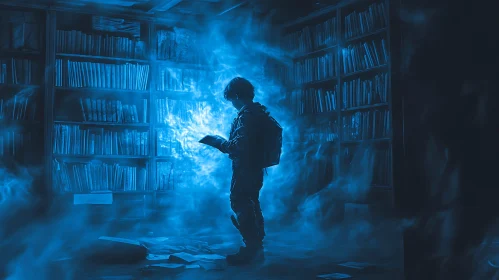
[(177, 45), (18, 108), (315, 101), (78, 42), (177, 79), (19, 72), (101, 75), (311, 38), (165, 176), (362, 92), (366, 125), (367, 21), (365, 55), (114, 111), (74, 140), (98, 176), (15, 143), (325, 132)]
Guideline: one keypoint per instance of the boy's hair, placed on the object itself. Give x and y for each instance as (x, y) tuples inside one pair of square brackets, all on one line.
[(239, 88)]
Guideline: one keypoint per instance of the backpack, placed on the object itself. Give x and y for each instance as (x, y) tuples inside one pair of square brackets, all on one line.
[(272, 142)]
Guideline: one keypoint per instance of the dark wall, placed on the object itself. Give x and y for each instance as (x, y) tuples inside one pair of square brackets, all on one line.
[(451, 134)]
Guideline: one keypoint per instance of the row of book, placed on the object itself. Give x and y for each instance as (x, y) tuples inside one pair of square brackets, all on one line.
[(78, 42), (165, 176), (381, 163), (362, 92), (176, 79), (324, 132), (166, 143), (100, 75), (18, 108), (101, 110), (74, 140), (367, 21), (310, 70), (20, 71), (98, 176), (169, 110), (363, 56), (15, 143), (177, 45), (366, 125), (311, 38), (313, 101)]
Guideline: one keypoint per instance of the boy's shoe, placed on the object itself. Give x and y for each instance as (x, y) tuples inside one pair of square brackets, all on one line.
[(246, 256)]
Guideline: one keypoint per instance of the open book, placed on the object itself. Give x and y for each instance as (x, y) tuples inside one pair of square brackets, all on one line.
[(214, 141)]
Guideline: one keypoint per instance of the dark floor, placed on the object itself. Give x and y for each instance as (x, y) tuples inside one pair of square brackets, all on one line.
[(284, 260)]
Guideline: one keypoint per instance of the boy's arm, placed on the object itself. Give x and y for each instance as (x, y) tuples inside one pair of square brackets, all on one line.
[(240, 142)]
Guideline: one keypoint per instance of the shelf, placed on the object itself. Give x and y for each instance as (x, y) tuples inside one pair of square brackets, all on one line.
[(103, 124), (358, 108), (373, 69), (99, 156), (313, 83), (101, 90), (366, 35), (17, 53), (133, 192), (183, 65), (19, 86), (108, 58), (366, 141), (151, 192), (311, 53), (7, 123)]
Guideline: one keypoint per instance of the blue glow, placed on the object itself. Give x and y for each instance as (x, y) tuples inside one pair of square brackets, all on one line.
[(200, 199)]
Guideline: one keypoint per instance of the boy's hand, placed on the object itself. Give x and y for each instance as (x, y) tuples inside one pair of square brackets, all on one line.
[(214, 141)]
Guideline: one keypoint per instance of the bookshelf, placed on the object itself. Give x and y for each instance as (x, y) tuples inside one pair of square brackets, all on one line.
[(21, 95), (179, 75), (105, 126), (340, 83), (100, 111)]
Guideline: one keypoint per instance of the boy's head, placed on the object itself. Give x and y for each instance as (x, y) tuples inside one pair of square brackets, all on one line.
[(240, 92)]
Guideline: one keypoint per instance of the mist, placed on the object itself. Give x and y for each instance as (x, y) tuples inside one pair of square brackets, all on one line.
[(300, 215)]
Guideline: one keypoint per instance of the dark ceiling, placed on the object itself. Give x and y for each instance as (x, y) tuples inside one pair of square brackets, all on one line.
[(184, 10)]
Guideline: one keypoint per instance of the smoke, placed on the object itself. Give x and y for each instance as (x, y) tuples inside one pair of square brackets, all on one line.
[(200, 200), (297, 204)]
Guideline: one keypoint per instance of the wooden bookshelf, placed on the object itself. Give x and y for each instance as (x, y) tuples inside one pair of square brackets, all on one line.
[(359, 89), (100, 91), (60, 103), (21, 96)]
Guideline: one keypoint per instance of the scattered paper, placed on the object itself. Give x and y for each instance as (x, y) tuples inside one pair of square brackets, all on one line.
[(192, 266), (153, 257), (182, 257)]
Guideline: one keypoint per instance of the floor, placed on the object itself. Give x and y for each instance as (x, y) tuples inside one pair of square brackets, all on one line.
[(286, 258)]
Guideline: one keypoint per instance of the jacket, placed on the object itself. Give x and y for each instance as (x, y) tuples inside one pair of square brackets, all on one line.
[(245, 140)]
